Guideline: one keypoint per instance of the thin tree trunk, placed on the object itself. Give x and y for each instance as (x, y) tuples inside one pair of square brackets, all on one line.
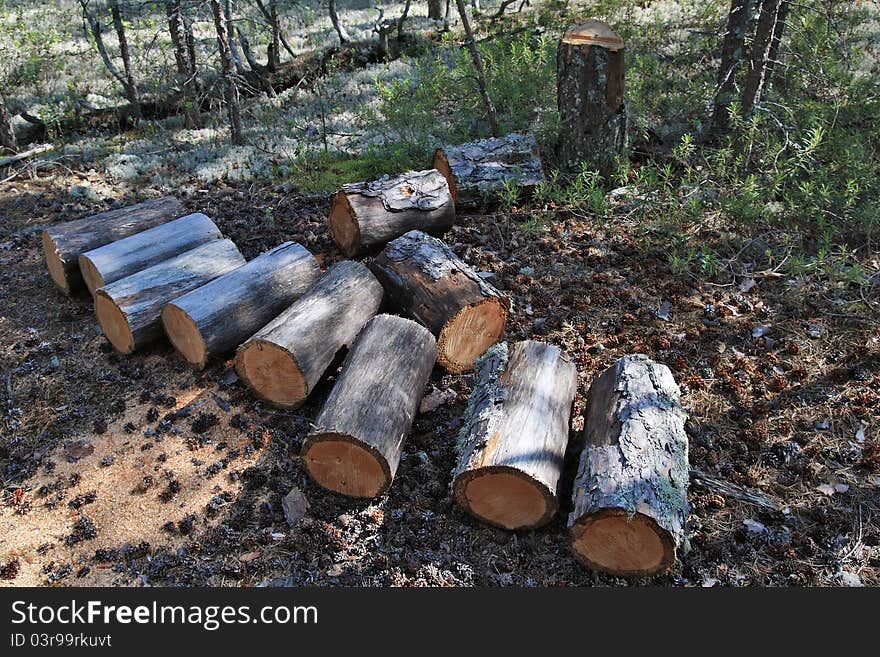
[(93, 25), (478, 64), (275, 52), (185, 63), (435, 10), (771, 22), (773, 58), (402, 20), (731, 56), (7, 134), (228, 73), (230, 34), (268, 16), (131, 89), (337, 24)]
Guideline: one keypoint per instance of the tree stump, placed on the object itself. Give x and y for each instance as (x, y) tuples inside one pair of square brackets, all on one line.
[(130, 309), (427, 281), (129, 255), (284, 360), (480, 169), (65, 243), (369, 214), (512, 444), (630, 492), (356, 443), (589, 87), (218, 316)]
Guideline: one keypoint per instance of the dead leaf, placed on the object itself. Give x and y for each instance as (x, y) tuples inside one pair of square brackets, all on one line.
[(826, 489), (747, 285), (435, 399), (663, 311), (295, 506), (78, 449), (761, 330), (250, 556)]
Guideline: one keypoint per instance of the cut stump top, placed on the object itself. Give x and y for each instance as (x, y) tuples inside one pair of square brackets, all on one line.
[(593, 33)]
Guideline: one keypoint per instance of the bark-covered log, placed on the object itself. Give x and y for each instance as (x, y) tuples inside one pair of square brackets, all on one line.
[(284, 360), (370, 214), (512, 444), (630, 492), (130, 309), (149, 247), (355, 445), (479, 169), (65, 243), (424, 279), (589, 84), (218, 316)]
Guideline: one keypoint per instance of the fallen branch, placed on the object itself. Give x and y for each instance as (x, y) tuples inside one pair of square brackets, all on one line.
[(36, 150), (713, 484)]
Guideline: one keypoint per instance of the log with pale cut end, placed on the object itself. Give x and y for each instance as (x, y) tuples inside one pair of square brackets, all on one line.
[(480, 169), (512, 443), (130, 309), (423, 278), (222, 314), (355, 445), (65, 243), (592, 112), (285, 359), (370, 214), (630, 492), (131, 254)]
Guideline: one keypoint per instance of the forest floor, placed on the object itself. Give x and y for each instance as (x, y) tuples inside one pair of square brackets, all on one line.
[(138, 470)]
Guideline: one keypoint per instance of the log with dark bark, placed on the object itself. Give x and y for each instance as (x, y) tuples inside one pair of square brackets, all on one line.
[(370, 214), (356, 443), (130, 309), (630, 492), (478, 170), (65, 243), (218, 316), (284, 360), (512, 444), (130, 255), (424, 279), (589, 85)]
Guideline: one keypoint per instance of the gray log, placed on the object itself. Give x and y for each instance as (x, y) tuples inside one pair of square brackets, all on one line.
[(356, 443), (512, 443), (65, 243), (129, 309), (630, 493), (424, 279), (480, 169), (131, 254), (218, 316), (284, 360), (369, 214)]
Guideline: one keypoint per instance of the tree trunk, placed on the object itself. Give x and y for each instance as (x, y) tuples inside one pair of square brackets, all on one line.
[(275, 50), (93, 25), (512, 445), (232, 106), (230, 35), (479, 170), (589, 92), (731, 56), (337, 24), (130, 309), (355, 445), (7, 134), (478, 66), (771, 22), (630, 492), (284, 361), (402, 20), (131, 89), (65, 243), (774, 55), (369, 214), (435, 9), (130, 255), (218, 316), (427, 281), (185, 59)]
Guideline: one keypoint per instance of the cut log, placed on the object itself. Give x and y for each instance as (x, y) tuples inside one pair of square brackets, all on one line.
[(512, 444), (589, 91), (284, 360), (356, 443), (370, 214), (130, 255), (218, 316), (129, 309), (424, 279), (480, 169), (65, 243), (630, 492)]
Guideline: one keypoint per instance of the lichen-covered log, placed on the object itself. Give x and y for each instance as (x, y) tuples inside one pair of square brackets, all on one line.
[(424, 279), (512, 444), (65, 243), (131, 254), (370, 214), (356, 443), (129, 309), (218, 316), (480, 169), (589, 85), (630, 492), (285, 359)]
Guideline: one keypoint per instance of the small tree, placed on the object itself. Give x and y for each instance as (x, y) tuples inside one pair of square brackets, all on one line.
[(228, 70), (478, 65), (184, 56)]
